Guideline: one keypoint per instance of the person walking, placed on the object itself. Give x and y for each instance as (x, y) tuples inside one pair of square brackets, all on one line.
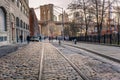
[(75, 41), (28, 39), (21, 38), (40, 38)]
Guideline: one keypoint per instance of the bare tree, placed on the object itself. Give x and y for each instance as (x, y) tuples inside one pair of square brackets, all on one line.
[(101, 7), (67, 31), (117, 11), (93, 11), (83, 7), (73, 29)]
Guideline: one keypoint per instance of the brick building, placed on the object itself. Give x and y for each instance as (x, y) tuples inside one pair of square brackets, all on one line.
[(14, 20), (34, 26)]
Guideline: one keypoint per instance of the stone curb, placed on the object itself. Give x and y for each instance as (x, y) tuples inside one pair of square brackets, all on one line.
[(97, 53)]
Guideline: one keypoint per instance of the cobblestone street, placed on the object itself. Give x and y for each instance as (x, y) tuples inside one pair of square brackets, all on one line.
[(93, 68), (59, 39), (56, 67), (22, 64)]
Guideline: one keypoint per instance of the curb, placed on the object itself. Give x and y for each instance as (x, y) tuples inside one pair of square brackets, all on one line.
[(97, 53)]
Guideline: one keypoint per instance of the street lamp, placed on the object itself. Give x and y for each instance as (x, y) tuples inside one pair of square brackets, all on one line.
[(62, 20)]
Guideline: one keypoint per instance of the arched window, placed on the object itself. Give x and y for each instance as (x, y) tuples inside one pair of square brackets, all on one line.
[(17, 22), (13, 0), (21, 22), (48, 15), (2, 20), (24, 25)]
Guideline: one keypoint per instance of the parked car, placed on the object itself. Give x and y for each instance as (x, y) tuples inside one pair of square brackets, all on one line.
[(33, 38)]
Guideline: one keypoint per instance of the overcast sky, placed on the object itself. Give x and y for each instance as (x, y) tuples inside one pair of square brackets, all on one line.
[(37, 3)]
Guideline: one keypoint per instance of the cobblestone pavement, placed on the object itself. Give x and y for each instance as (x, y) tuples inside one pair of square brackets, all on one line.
[(55, 67), (22, 64), (92, 67)]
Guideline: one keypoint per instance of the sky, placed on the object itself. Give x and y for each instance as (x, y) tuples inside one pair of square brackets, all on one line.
[(37, 3)]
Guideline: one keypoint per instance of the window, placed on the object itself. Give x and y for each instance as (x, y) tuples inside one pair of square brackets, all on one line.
[(3, 38), (21, 23), (17, 1), (17, 22), (20, 4), (25, 12), (2, 20), (13, 0), (24, 25)]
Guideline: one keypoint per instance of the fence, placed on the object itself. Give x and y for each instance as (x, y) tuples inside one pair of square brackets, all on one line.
[(106, 38)]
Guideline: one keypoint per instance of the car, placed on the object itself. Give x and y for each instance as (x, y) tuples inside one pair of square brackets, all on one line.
[(33, 38)]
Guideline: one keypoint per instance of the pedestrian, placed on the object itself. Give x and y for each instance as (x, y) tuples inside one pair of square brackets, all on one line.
[(28, 39), (75, 41), (40, 38), (49, 38), (21, 38), (56, 37)]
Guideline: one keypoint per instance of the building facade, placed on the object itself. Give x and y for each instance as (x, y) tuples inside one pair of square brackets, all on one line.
[(34, 26), (14, 20)]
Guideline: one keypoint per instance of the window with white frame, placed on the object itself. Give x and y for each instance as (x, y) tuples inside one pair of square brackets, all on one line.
[(2, 20)]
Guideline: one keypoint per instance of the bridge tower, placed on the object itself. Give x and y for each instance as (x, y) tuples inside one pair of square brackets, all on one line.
[(46, 12)]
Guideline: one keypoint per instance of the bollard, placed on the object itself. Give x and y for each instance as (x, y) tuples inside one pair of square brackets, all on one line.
[(59, 42)]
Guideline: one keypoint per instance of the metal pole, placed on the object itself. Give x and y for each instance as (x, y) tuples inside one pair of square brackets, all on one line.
[(62, 34), (63, 22)]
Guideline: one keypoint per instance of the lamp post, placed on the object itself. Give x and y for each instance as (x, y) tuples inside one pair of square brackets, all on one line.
[(62, 20)]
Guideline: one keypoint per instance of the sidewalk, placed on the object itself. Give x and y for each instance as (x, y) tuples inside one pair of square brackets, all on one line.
[(22, 64), (4, 50), (110, 52)]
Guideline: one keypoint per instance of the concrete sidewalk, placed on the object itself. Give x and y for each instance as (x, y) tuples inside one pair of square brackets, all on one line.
[(6, 49), (110, 52)]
